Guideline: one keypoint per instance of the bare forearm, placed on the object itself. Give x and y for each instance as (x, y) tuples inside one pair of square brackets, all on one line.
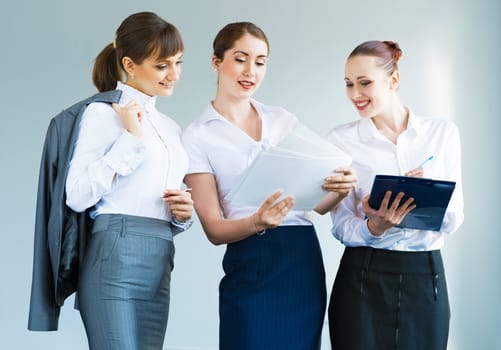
[(224, 231), (329, 202)]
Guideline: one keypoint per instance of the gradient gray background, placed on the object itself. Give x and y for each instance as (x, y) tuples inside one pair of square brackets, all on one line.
[(449, 69)]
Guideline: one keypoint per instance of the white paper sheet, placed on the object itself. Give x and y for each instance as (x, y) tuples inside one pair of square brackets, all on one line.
[(298, 165)]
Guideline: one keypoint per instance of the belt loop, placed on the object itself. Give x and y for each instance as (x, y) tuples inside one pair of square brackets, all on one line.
[(367, 261), (433, 274), (124, 226)]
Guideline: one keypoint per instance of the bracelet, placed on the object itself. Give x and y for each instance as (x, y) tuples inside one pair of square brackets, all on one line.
[(259, 233)]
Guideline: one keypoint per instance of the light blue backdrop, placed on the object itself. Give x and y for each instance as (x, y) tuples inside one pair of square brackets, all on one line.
[(450, 69)]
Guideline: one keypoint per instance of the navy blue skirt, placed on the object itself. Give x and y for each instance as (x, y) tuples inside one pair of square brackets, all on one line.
[(273, 294)]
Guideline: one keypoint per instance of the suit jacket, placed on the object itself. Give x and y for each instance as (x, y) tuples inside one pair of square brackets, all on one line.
[(60, 233)]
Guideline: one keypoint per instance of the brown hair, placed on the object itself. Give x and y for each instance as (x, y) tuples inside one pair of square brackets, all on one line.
[(139, 36), (387, 52), (229, 34)]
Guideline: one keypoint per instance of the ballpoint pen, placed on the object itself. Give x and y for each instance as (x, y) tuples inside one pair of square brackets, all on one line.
[(425, 161), (165, 195)]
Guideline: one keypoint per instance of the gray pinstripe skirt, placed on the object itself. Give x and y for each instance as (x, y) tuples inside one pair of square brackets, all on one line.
[(124, 283)]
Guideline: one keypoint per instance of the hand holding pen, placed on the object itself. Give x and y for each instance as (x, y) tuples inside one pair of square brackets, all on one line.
[(419, 171), (180, 203)]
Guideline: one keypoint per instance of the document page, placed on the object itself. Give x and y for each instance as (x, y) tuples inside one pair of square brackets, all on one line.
[(298, 166)]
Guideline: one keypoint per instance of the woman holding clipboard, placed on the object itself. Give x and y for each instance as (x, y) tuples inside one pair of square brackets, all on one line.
[(390, 290)]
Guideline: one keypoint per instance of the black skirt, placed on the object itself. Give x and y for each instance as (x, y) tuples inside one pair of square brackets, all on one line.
[(383, 299)]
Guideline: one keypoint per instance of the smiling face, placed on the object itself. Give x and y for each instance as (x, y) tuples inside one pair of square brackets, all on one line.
[(242, 68), (154, 76), (368, 86)]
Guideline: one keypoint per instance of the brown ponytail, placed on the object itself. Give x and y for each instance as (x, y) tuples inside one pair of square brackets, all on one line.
[(138, 37), (106, 70)]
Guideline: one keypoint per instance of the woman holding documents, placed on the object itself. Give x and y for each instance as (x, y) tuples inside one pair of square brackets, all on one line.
[(273, 293), (390, 290)]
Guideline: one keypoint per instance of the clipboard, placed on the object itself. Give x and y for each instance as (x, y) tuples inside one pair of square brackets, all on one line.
[(430, 196)]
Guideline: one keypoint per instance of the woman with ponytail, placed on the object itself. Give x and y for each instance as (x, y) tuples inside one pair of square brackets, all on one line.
[(127, 169), (390, 290)]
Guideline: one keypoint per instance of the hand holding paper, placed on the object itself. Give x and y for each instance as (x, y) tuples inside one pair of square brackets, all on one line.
[(342, 182), (272, 212), (298, 166)]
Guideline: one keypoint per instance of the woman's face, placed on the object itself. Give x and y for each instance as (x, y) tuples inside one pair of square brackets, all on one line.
[(243, 67), (369, 87), (155, 76)]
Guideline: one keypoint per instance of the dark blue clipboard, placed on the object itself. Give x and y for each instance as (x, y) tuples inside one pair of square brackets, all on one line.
[(430, 196)]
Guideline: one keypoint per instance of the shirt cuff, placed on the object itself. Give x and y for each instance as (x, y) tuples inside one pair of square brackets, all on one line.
[(126, 154), (367, 235), (180, 226)]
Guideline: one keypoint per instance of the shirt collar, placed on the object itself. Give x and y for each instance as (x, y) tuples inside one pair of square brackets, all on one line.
[(210, 112), (415, 123), (368, 130), (129, 93)]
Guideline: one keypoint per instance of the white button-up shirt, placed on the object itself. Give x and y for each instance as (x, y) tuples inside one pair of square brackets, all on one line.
[(119, 173), (218, 147), (372, 154)]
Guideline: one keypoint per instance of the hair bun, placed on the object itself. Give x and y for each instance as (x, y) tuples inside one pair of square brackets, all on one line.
[(395, 48)]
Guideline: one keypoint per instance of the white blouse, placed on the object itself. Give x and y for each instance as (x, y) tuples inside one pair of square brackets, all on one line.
[(117, 173), (372, 154), (218, 147)]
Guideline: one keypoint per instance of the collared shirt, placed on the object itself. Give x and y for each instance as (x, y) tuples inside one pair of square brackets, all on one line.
[(218, 147), (119, 173), (372, 154)]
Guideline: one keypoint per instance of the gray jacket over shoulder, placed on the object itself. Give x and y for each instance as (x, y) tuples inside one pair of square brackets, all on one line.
[(60, 233)]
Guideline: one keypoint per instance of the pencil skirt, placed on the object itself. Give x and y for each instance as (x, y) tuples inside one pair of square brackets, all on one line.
[(383, 299), (273, 293), (124, 284)]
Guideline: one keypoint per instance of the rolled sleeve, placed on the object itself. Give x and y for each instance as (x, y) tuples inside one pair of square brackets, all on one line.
[(367, 235), (180, 226)]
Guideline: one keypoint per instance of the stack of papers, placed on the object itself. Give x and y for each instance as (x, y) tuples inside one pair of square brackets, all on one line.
[(298, 166)]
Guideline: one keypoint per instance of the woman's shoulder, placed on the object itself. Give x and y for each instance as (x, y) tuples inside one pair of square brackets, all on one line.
[(194, 131), (271, 109), (204, 125), (344, 135), (191, 129), (345, 129), (434, 124), (98, 112), (275, 116)]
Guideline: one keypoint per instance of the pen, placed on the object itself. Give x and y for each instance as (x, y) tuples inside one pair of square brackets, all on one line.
[(165, 195), (425, 161)]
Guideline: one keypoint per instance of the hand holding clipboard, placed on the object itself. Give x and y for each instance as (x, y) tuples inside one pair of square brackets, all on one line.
[(431, 198)]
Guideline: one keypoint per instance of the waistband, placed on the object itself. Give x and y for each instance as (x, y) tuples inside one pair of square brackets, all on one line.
[(133, 224), (392, 261), (277, 234)]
